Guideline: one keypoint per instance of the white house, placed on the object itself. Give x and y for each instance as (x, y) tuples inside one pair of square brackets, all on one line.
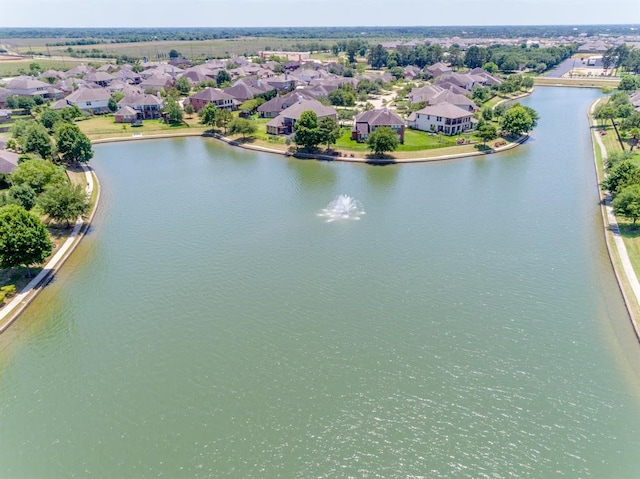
[(95, 100), (444, 117)]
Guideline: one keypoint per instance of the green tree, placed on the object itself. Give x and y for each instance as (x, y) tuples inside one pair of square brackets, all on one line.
[(382, 140), (623, 174), (208, 115), (476, 57), (173, 111), (72, 144), (518, 120), (490, 67), (306, 130), (38, 174), (49, 118), (183, 85), (64, 202), (487, 132), (37, 140), (22, 195), (174, 53), (24, 240), (378, 56), (189, 110), (222, 78), (242, 126), (223, 117), (328, 131), (627, 203), (629, 83), (112, 104), (70, 113)]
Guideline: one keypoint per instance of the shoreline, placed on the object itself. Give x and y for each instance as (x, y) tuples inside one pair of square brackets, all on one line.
[(618, 256), (12, 310)]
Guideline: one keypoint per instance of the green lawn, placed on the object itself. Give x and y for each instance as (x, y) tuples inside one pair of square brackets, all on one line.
[(413, 141), (104, 126)]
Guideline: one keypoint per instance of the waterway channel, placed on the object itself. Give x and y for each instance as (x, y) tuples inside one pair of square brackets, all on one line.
[(213, 325)]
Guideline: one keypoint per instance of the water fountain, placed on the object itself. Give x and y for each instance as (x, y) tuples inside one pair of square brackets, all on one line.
[(343, 207)]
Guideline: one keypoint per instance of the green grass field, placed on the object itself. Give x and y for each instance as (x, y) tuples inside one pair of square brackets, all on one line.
[(104, 126)]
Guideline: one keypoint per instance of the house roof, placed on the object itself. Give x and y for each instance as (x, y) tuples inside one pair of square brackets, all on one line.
[(88, 94), (126, 110), (279, 103), (379, 117), (140, 100), (445, 110), (25, 83), (295, 110), (211, 94), (8, 161)]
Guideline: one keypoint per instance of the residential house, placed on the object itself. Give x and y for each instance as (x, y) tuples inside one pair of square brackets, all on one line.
[(438, 69), (211, 95), (147, 106), (27, 86), (102, 79), (94, 100), (284, 123), (444, 117), (435, 94), (276, 105), (156, 83), (4, 94), (367, 121), (282, 82), (5, 116), (126, 114), (8, 161)]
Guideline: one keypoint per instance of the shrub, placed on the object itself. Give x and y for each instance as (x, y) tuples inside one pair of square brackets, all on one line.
[(8, 290)]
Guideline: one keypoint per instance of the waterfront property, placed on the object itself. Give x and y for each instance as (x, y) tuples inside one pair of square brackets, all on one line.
[(442, 118)]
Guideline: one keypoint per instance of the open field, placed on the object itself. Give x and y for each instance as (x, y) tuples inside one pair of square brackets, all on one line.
[(9, 68), (577, 82)]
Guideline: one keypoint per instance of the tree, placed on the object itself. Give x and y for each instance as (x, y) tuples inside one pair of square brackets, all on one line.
[(189, 110), (382, 140), (37, 140), (517, 120), (112, 104), (378, 56), (487, 132), (208, 115), (476, 57), (223, 77), (183, 85), (49, 118), (24, 240), (223, 117), (22, 195), (64, 202), (328, 131), (242, 126), (627, 203), (490, 67), (353, 48), (173, 111), (629, 83), (72, 144), (174, 54), (623, 174), (306, 130), (38, 174)]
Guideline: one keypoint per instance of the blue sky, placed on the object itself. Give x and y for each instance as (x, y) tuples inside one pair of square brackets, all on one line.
[(262, 13)]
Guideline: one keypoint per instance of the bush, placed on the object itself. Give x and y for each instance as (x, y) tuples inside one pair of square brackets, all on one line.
[(2, 297), (8, 290)]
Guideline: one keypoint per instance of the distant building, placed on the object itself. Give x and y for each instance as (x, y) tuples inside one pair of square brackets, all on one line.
[(291, 56)]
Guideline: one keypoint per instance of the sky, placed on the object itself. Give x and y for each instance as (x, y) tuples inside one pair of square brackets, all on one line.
[(298, 13)]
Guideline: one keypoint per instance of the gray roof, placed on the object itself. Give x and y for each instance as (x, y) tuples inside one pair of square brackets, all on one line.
[(88, 94), (445, 110), (379, 117), (295, 110), (211, 94)]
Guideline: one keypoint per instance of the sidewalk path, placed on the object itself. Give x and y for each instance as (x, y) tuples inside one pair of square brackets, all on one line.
[(627, 267), (12, 309)]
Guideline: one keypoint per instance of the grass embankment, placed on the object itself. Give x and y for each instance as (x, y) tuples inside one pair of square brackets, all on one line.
[(630, 233), (104, 126)]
